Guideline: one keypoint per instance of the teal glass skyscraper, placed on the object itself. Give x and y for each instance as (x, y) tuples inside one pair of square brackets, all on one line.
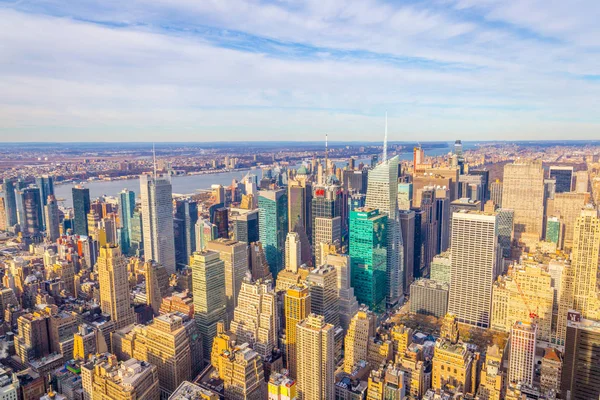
[(273, 226), (368, 255), (126, 208), (81, 208)]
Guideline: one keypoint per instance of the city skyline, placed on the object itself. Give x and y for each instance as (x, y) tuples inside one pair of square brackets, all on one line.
[(499, 70)]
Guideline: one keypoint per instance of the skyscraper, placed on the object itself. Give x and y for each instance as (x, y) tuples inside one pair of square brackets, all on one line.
[(362, 327), (235, 257), (186, 216), (316, 364), (567, 206), (31, 214), (297, 308), (368, 255), (496, 192), (382, 194), (407, 224), (81, 208), (10, 203), (208, 287), (273, 226), (348, 305), (523, 192), (157, 220), (563, 176), (584, 261), (293, 255), (126, 208), (325, 230), (474, 257), (521, 357), (114, 286), (52, 219), (322, 285), (245, 225)]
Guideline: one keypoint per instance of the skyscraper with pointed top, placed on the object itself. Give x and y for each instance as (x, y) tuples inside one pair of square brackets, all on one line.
[(157, 219), (382, 194)]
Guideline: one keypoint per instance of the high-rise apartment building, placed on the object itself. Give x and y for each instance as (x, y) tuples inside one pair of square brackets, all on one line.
[(114, 286), (523, 192), (81, 208), (235, 257), (208, 286), (584, 262), (255, 320), (563, 176), (474, 269), (521, 356), (368, 255), (382, 194), (157, 220), (316, 363), (362, 327), (273, 226), (297, 308)]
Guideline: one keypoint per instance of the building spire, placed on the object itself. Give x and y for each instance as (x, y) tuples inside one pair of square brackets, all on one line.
[(326, 156), (385, 140)]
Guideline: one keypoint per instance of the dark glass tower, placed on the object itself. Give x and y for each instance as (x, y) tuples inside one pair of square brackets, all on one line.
[(81, 208), (10, 202)]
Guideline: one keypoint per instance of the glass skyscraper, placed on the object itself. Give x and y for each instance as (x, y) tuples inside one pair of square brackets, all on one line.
[(368, 256), (81, 208), (273, 226), (10, 202), (126, 208)]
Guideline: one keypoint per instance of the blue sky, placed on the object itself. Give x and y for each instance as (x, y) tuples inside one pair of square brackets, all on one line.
[(203, 70)]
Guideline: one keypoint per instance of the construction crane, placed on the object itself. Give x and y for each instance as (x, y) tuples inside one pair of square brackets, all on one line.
[(532, 315)]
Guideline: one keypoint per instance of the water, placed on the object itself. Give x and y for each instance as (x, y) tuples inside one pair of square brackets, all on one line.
[(190, 184)]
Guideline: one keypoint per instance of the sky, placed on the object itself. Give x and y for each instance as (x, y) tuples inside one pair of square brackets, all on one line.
[(208, 70)]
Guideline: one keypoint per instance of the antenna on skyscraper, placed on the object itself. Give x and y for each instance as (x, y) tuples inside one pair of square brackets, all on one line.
[(326, 154), (154, 159), (385, 140)]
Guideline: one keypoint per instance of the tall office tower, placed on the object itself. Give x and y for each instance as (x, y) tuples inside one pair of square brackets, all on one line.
[(584, 261), (299, 201), (126, 208), (322, 285), (581, 370), (219, 216), (347, 303), (428, 204), (523, 192), (136, 238), (491, 385), (258, 262), (93, 223), (218, 193), (273, 226), (29, 211), (114, 286), (235, 256), (208, 287), (418, 158), (45, 184), (255, 320), (325, 230), (81, 208), (32, 340), (471, 186), (157, 220), (157, 284), (496, 192), (474, 269), (582, 182), (52, 219), (563, 176), (368, 255), (523, 290), (549, 188), (297, 308), (362, 327), (250, 183), (185, 218), (105, 378), (405, 196), (109, 225), (3, 225), (407, 224), (567, 206), (10, 202), (442, 217), (485, 182), (327, 202), (316, 365), (382, 193), (293, 255), (521, 356), (205, 232), (356, 180), (429, 297), (505, 231), (245, 225)]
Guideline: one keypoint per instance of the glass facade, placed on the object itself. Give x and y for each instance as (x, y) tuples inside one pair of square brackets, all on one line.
[(81, 208), (368, 255), (273, 226)]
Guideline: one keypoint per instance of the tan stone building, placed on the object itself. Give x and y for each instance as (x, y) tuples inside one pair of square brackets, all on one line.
[(316, 359)]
